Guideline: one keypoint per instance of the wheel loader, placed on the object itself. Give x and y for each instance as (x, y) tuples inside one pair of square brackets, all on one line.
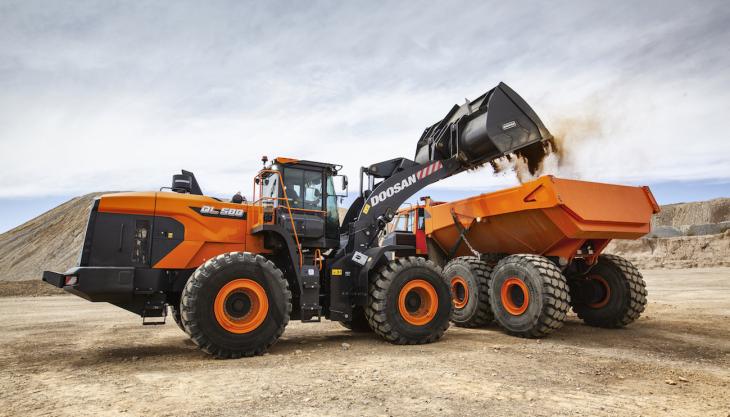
[(523, 256), (233, 273)]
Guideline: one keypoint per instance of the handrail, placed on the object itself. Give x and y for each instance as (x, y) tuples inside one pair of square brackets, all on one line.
[(288, 206)]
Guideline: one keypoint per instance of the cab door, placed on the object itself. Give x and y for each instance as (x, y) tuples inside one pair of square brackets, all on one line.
[(419, 226)]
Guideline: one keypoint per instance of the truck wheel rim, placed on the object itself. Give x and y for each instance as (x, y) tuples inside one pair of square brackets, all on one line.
[(459, 292), (515, 296), (241, 306), (418, 302), (606, 291)]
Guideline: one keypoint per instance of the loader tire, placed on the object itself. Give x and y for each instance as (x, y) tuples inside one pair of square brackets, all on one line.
[(409, 302), (529, 295), (236, 304), (359, 323), (468, 279), (617, 293), (175, 313)]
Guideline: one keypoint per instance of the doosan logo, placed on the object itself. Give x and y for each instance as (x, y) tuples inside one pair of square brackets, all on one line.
[(405, 183)]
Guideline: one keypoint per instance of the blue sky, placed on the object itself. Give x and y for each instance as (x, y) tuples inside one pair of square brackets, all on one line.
[(105, 95)]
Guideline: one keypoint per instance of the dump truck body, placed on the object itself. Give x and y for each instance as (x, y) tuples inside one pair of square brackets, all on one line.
[(549, 216)]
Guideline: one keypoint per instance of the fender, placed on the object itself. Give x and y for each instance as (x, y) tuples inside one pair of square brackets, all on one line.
[(376, 258), (290, 245)]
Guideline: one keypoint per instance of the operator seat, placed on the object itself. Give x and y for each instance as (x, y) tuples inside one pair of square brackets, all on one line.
[(293, 196)]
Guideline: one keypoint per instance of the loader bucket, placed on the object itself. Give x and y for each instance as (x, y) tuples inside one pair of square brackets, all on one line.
[(493, 125)]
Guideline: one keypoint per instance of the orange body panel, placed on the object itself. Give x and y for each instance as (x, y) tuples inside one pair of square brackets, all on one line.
[(205, 236), (128, 203), (549, 216)]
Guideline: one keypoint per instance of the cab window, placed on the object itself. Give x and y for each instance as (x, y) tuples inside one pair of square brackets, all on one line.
[(303, 188), (270, 187), (403, 223), (333, 216), (421, 220)]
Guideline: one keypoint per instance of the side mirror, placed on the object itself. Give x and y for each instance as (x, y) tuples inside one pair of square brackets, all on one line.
[(345, 182), (389, 214)]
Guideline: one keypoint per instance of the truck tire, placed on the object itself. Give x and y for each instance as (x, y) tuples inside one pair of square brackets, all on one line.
[(529, 295), (236, 304), (359, 323), (468, 280), (492, 259), (613, 293), (409, 302), (175, 313)]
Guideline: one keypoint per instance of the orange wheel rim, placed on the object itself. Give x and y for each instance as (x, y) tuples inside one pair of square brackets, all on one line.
[(607, 292), (418, 302), (515, 296), (459, 292), (241, 306)]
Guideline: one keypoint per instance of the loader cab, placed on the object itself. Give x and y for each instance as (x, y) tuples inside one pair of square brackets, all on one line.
[(302, 196)]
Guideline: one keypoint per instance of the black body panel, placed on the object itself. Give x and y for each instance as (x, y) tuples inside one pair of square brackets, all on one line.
[(110, 284), (167, 234), (88, 234)]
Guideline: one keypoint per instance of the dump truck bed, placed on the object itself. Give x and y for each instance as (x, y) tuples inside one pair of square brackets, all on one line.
[(549, 216)]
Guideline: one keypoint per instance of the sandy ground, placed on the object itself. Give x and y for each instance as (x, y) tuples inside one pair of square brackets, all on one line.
[(64, 356)]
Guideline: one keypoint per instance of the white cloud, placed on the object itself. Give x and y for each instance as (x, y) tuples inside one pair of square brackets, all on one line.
[(107, 97)]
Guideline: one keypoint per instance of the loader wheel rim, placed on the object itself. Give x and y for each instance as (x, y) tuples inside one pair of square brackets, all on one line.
[(459, 292), (241, 306), (606, 292), (515, 296), (418, 302)]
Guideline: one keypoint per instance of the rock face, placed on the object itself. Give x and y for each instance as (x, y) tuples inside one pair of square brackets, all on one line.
[(675, 252), (683, 235), (696, 213), (692, 219)]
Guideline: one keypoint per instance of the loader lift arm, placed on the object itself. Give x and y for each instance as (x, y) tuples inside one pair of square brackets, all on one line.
[(496, 124)]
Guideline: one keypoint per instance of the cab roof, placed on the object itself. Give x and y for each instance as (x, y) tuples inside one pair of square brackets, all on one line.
[(293, 161)]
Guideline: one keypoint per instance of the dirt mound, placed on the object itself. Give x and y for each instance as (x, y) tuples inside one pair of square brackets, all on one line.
[(51, 241)]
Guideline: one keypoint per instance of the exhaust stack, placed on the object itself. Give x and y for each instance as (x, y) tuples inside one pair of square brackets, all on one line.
[(493, 125)]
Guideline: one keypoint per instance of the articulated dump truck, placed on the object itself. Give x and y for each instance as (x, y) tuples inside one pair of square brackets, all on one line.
[(232, 273), (524, 255)]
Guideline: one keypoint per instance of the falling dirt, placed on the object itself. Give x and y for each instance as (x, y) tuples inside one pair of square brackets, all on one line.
[(556, 155), (527, 163)]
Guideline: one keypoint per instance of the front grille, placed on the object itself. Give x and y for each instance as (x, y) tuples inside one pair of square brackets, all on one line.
[(141, 242)]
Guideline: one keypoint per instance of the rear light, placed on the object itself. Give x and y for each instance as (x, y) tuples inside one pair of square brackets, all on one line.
[(71, 280)]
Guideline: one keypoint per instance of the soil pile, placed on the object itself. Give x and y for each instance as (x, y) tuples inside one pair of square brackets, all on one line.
[(51, 241)]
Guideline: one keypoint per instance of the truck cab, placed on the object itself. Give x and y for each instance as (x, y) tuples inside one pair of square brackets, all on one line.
[(409, 226)]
